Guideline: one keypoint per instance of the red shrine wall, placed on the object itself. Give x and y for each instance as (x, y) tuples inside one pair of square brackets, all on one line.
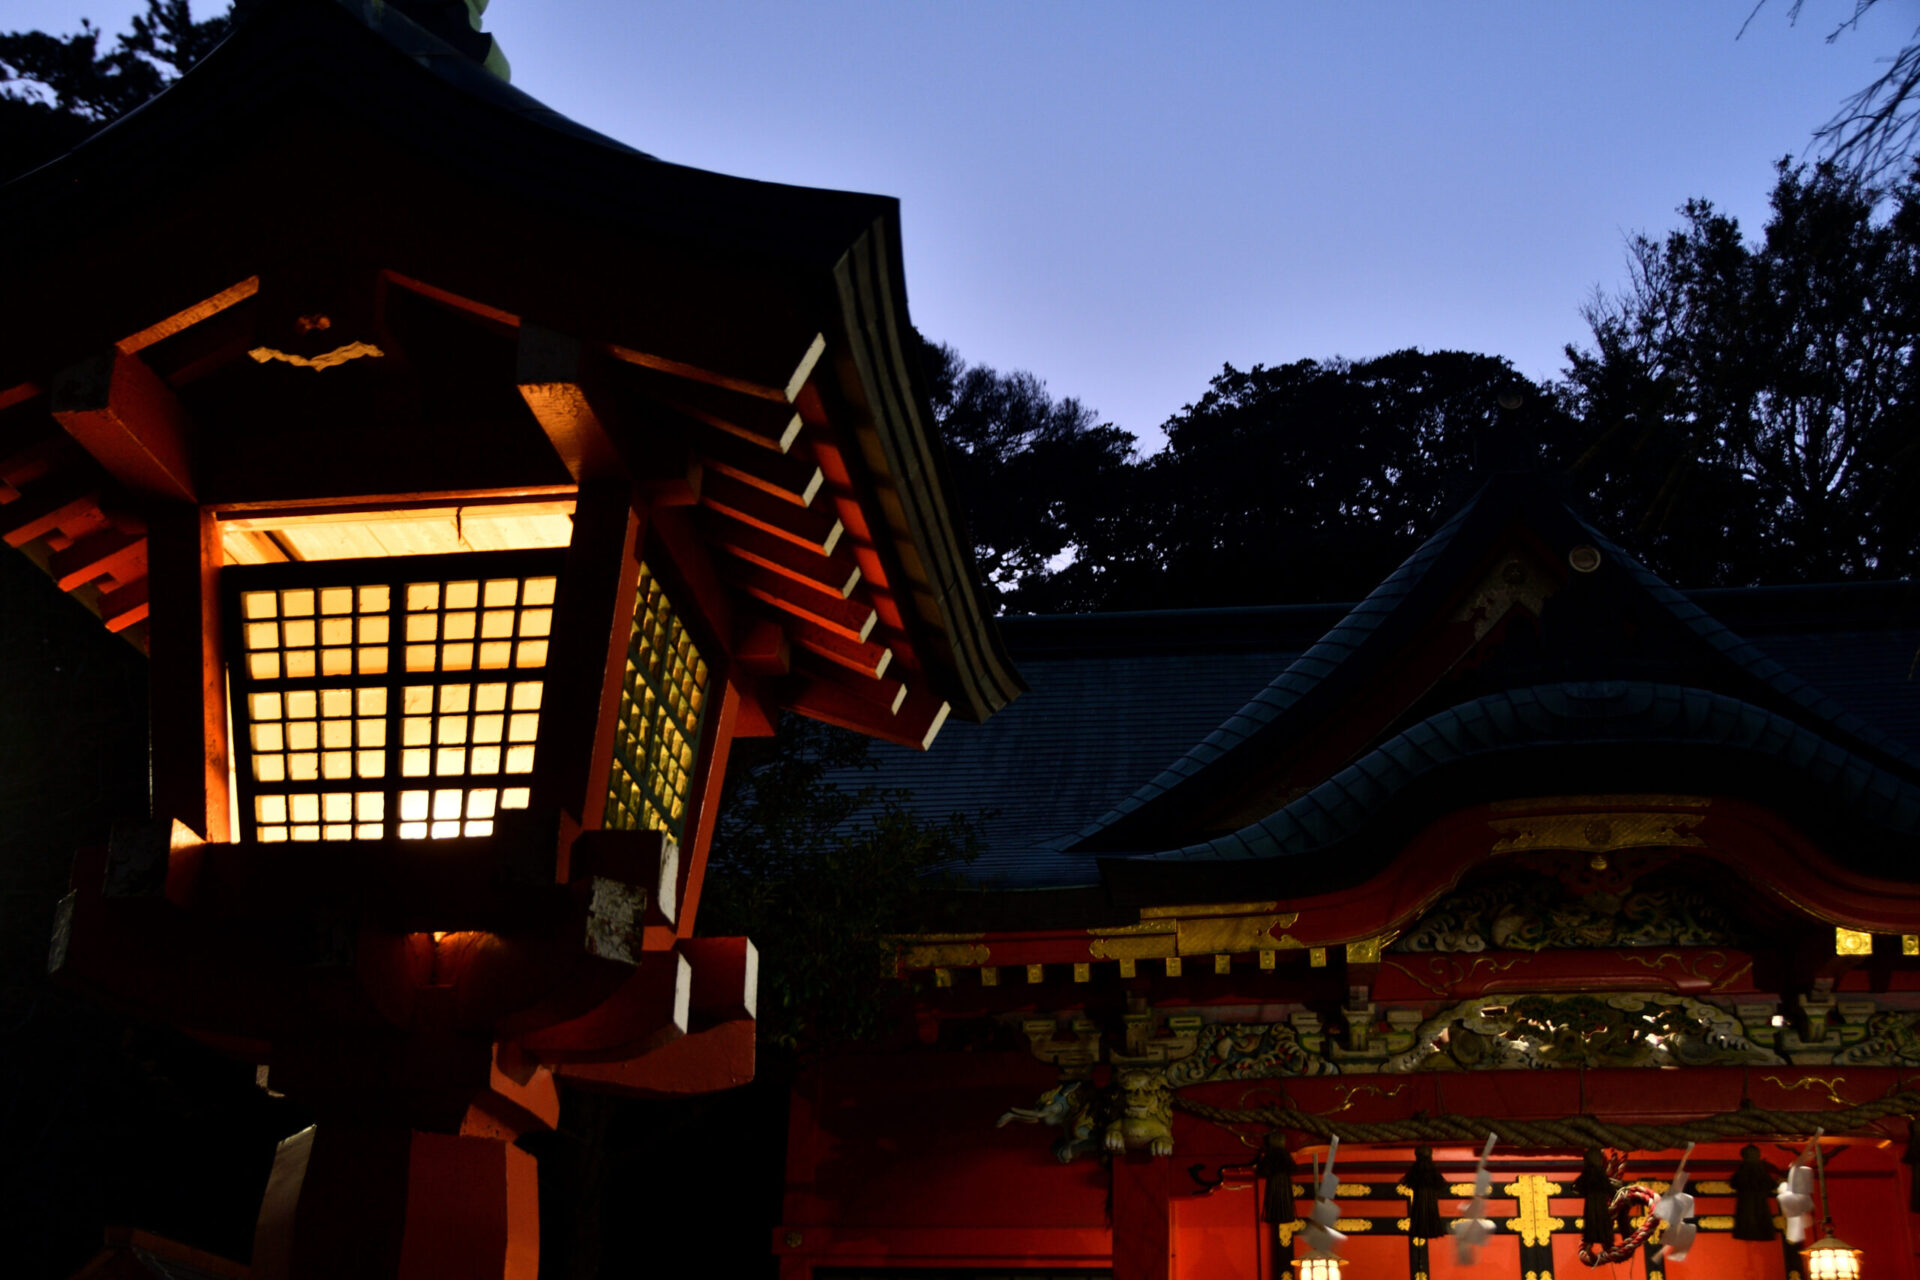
[(895, 1164)]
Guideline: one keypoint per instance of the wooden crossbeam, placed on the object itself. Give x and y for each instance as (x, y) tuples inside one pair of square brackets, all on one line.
[(849, 619), (817, 530), (763, 648), (836, 573), (189, 316), (551, 369), (448, 298), (130, 421), (789, 476)]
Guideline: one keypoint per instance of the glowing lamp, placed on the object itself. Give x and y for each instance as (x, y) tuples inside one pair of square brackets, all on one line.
[(1831, 1258), (1320, 1265), (459, 561)]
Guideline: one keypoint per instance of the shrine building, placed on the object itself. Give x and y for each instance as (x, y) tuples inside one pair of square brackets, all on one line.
[(1526, 845)]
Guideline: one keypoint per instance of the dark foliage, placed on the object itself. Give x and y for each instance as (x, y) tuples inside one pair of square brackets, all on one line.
[(1749, 407), (820, 876), (1312, 480), (56, 90), (1041, 482)]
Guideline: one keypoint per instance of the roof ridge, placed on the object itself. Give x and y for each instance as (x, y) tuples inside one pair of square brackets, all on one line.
[(1536, 717), (1299, 676)]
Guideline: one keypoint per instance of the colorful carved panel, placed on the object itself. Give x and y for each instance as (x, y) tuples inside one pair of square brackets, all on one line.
[(1534, 911), (1629, 1029)]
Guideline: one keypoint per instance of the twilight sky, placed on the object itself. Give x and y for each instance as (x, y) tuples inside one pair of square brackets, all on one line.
[(1122, 196)]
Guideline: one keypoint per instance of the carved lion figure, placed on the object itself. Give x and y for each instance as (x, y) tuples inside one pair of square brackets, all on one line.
[(1145, 1116)]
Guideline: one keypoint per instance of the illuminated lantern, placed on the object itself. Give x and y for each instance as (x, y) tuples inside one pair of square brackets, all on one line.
[(1829, 1258), (1318, 1266), (471, 481)]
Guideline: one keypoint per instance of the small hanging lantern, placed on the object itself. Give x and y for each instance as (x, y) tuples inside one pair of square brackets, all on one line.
[(1320, 1265), (1830, 1258), (1321, 1262)]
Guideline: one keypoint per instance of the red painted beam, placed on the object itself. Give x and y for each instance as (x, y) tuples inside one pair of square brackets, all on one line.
[(123, 414)]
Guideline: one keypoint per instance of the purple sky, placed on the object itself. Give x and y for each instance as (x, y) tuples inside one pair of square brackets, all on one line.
[(1121, 197)]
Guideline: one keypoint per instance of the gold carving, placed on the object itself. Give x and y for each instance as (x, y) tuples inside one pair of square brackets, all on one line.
[(1534, 1224), (1444, 972), (1354, 1226), (989, 976), (946, 956), (1230, 934), (1144, 926), (1353, 1091), (1225, 928), (1714, 1189), (1715, 1221), (1317, 958), (1035, 972), (1217, 909), (1852, 942), (1082, 972), (326, 360), (1830, 1084), (1598, 832), (1140, 947), (1546, 804), (943, 977), (1286, 1231), (1733, 977), (1365, 951)]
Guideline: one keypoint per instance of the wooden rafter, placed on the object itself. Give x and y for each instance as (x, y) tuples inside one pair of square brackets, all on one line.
[(836, 573), (187, 317), (851, 619), (792, 476), (865, 657), (817, 530), (766, 423), (785, 393)]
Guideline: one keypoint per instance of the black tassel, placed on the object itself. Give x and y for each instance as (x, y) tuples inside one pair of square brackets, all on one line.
[(1754, 1183), (1427, 1183), (1277, 1167)]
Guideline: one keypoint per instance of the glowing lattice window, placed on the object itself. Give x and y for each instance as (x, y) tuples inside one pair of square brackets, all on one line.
[(661, 704), (406, 707)]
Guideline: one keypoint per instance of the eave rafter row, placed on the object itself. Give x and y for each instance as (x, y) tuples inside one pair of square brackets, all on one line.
[(81, 456)]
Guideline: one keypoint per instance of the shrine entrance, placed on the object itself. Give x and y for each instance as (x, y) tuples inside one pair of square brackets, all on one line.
[(1537, 1212)]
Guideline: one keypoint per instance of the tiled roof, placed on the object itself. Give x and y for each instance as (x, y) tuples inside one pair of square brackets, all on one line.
[(1824, 677), (1529, 720)]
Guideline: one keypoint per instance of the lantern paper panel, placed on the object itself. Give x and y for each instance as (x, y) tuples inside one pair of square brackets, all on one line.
[(662, 707), (408, 707)]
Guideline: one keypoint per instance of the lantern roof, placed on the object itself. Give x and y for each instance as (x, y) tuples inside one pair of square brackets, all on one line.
[(335, 246)]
